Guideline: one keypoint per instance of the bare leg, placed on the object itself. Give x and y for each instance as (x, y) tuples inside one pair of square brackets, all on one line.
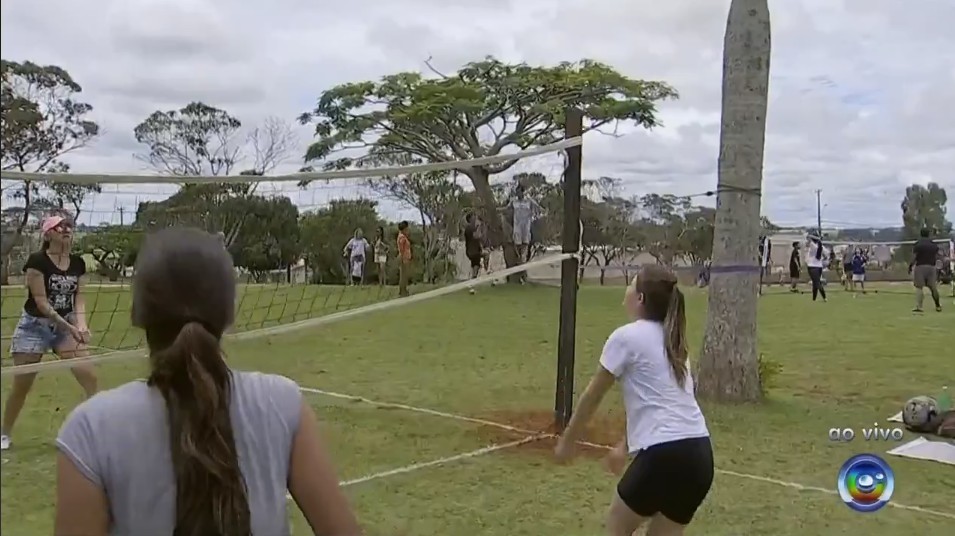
[(22, 383), (621, 521), (661, 526), (83, 373)]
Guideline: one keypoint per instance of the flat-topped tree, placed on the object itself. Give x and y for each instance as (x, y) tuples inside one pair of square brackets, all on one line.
[(486, 107)]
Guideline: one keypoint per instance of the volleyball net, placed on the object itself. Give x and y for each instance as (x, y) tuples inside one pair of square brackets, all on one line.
[(304, 309)]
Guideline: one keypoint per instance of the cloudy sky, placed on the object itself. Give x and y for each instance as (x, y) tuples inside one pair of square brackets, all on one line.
[(861, 90)]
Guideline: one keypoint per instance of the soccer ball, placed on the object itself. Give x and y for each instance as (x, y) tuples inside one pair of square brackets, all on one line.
[(920, 414)]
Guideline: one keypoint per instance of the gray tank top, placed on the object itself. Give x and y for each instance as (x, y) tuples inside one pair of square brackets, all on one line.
[(119, 439)]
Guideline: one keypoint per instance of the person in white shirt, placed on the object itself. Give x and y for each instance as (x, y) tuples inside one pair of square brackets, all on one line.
[(526, 210), (817, 258), (355, 251), (672, 468)]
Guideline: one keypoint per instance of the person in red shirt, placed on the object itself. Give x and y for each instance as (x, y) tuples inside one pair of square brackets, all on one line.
[(404, 255)]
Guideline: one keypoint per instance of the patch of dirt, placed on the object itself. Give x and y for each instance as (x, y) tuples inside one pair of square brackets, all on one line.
[(601, 431)]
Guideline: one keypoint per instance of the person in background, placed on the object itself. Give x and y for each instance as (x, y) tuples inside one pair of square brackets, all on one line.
[(355, 251), (526, 210), (472, 246), (404, 257), (846, 278), (381, 255), (857, 267), (53, 317), (667, 437), (765, 260), (483, 235), (924, 271), (816, 261), (795, 267), (198, 449)]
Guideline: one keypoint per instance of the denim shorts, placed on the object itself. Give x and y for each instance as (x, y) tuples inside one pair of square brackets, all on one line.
[(37, 335)]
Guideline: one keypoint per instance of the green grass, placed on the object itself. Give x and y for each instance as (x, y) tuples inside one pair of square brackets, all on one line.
[(847, 363)]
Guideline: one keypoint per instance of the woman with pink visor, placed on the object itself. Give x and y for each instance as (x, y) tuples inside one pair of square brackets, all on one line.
[(53, 318)]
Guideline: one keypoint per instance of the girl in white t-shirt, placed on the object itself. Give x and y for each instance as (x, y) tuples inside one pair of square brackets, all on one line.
[(817, 258), (667, 437), (355, 251)]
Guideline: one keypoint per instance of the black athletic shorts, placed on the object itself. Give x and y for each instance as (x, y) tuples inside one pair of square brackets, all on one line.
[(670, 478), (793, 273), (847, 268)]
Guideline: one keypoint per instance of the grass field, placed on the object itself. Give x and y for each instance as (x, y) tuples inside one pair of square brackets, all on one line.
[(491, 356)]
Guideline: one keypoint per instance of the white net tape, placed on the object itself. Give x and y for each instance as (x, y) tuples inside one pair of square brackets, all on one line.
[(97, 178)]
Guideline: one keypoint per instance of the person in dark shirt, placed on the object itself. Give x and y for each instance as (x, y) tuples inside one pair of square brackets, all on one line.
[(795, 266), (924, 270), (53, 317), (472, 245), (858, 263)]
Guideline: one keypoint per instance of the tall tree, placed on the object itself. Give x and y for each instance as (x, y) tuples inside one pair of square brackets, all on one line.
[(271, 144), (197, 139), (664, 225), (924, 207), (41, 121), (484, 109), (729, 365), (696, 243), (273, 242)]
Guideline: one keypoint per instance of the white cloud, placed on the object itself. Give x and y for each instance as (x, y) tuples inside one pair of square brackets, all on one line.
[(861, 91)]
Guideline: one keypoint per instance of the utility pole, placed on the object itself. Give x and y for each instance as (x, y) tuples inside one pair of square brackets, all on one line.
[(819, 212), (121, 210)]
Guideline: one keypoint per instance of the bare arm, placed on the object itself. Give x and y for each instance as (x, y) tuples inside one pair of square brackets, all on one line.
[(81, 506), (34, 282), (314, 484), (600, 383), (79, 304)]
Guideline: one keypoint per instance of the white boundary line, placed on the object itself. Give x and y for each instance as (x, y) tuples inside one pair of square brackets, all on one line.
[(440, 461), (536, 435)]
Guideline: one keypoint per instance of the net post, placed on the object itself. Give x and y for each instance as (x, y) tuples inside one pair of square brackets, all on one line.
[(564, 399)]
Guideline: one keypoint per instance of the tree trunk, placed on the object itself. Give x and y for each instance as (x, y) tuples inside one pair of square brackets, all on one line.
[(729, 367), (492, 214)]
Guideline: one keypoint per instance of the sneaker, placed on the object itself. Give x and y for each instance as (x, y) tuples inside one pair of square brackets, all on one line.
[(938, 309), (4, 442), (916, 310)]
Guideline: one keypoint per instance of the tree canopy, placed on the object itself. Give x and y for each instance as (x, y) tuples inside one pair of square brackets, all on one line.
[(924, 207), (484, 108), (41, 121)]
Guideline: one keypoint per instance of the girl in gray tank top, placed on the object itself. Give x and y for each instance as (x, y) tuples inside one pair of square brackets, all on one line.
[(197, 449)]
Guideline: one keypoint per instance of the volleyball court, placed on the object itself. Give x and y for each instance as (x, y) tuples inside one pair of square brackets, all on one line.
[(886, 267), (345, 334)]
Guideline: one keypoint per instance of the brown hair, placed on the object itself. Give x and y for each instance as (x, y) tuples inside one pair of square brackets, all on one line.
[(184, 298), (663, 302)]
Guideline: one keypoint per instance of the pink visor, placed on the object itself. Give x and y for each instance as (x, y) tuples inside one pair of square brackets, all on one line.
[(50, 223)]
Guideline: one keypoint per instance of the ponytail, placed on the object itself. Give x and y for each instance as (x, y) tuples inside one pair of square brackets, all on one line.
[(818, 249), (196, 384), (674, 329)]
